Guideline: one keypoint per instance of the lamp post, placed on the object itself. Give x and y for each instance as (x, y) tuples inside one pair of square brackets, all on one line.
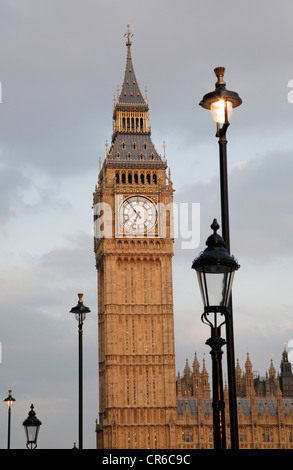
[(9, 400), (32, 426), (215, 269), (80, 312), (221, 102)]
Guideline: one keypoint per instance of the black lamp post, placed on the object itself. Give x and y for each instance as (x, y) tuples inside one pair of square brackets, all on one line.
[(32, 426), (221, 102), (80, 312), (9, 400), (215, 271)]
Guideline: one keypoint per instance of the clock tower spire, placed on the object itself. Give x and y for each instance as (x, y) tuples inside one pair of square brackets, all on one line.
[(137, 391), (131, 139)]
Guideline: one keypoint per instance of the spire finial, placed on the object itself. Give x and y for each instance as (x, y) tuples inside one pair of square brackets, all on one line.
[(129, 35)]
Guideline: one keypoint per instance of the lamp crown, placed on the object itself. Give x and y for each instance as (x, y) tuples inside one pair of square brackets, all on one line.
[(216, 254), (220, 71), (32, 419), (80, 308), (220, 94), (215, 226), (215, 240)]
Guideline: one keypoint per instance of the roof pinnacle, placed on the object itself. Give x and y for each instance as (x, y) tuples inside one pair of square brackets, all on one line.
[(129, 35)]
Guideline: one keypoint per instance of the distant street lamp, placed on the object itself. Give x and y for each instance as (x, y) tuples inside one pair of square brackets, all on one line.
[(80, 312), (221, 102), (32, 426), (9, 400), (215, 271)]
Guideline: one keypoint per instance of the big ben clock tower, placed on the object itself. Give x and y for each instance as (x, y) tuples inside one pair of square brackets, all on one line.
[(133, 250)]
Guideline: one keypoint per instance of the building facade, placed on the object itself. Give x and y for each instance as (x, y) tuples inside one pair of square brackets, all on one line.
[(134, 249), (141, 404), (265, 407)]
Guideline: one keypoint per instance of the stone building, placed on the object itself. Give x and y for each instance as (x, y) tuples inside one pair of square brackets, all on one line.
[(133, 201), (265, 407), (141, 405)]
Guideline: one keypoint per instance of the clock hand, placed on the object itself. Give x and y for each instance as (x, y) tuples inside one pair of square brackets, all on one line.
[(138, 213), (136, 217)]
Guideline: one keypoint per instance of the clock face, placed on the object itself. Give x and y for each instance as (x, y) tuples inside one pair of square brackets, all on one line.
[(138, 214)]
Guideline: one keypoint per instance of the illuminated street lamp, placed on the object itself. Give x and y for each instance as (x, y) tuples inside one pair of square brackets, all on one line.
[(80, 311), (221, 103), (32, 426), (215, 271), (9, 400)]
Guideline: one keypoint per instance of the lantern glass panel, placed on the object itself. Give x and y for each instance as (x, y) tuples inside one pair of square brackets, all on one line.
[(32, 433), (203, 291), (215, 285), (80, 317)]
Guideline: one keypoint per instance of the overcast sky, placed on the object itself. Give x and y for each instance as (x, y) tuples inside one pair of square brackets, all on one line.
[(60, 64)]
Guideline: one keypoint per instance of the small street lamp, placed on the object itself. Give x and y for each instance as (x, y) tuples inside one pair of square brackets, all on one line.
[(9, 400), (80, 312), (32, 426), (215, 271), (221, 103)]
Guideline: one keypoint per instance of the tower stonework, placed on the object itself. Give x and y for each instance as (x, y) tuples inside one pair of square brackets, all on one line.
[(133, 251)]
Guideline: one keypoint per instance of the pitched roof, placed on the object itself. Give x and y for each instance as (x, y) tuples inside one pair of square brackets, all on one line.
[(262, 403), (131, 140), (135, 147), (130, 93)]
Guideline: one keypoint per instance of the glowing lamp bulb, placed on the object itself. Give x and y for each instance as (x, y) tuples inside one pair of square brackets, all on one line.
[(218, 111)]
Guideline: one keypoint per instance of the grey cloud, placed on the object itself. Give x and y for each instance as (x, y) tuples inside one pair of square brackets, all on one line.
[(76, 256), (60, 65), (260, 200), (11, 182), (39, 341), (25, 191), (261, 205)]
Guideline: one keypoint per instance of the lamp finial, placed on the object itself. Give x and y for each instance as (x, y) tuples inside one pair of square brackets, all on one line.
[(220, 71)]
